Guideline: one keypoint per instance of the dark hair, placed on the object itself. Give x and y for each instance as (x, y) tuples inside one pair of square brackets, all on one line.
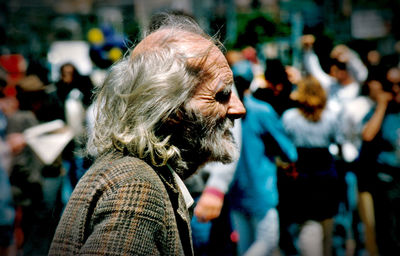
[(339, 64), (75, 70), (275, 73), (242, 84)]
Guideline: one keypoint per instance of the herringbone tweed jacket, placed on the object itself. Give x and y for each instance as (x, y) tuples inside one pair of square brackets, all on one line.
[(123, 206)]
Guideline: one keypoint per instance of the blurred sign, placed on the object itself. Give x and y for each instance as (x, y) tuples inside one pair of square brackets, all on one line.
[(48, 140), (366, 24)]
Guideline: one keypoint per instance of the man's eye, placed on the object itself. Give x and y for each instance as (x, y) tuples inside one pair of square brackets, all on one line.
[(223, 96)]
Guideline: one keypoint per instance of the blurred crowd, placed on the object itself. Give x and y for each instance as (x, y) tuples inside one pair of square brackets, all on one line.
[(318, 173)]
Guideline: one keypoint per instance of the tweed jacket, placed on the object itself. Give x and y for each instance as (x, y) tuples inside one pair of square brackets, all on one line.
[(123, 206)]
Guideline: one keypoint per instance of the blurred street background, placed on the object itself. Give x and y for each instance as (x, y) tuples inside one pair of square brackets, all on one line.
[(53, 53)]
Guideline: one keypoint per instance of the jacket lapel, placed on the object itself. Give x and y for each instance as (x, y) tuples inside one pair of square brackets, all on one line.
[(180, 209)]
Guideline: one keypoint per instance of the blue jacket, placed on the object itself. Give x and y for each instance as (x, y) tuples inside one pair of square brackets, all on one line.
[(254, 188)]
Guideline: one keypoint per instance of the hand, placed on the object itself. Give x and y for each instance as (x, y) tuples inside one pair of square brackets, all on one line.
[(383, 98), (208, 207), (294, 75), (307, 41), (341, 52), (288, 168), (16, 141)]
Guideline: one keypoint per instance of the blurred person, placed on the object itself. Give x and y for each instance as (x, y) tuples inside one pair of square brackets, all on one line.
[(393, 59), (74, 93), (39, 94), (381, 133), (34, 95), (352, 114), (36, 185), (7, 214), (250, 53), (276, 92), (345, 75), (366, 176), (162, 112), (253, 193), (233, 56), (312, 127), (278, 87), (70, 78), (375, 66), (294, 74), (354, 64), (342, 85), (7, 207)]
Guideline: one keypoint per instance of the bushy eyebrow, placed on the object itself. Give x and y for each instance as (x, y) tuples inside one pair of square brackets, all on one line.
[(226, 89)]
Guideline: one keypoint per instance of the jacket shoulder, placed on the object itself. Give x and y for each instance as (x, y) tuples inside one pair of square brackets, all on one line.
[(113, 186)]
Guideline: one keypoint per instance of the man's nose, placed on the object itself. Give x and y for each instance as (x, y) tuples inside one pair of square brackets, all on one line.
[(235, 107)]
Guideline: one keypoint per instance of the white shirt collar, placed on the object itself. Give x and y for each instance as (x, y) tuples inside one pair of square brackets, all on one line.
[(185, 192)]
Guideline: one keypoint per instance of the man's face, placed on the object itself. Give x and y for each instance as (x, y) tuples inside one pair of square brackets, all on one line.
[(214, 96), (214, 107)]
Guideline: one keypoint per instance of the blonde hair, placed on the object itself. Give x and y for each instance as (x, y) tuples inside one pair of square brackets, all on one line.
[(311, 98)]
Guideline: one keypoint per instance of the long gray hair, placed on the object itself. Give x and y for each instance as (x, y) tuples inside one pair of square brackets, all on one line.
[(145, 89)]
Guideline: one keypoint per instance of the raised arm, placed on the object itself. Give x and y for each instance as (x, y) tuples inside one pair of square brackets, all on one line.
[(373, 126), (311, 62), (354, 64)]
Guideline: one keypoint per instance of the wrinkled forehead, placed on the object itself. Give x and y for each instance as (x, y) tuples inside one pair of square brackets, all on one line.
[(200, 51)]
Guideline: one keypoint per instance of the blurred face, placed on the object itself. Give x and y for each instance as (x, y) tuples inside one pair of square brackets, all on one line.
[(375, 88), (340, 75), (393, 76), (374, 57), (9, 105), (396, 92), (333, 71), (67, 74)]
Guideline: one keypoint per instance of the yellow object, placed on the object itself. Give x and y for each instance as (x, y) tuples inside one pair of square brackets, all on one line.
[(95, 36), (115, 53)]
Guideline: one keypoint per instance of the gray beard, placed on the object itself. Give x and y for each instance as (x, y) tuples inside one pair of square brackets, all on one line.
[(201, 140)]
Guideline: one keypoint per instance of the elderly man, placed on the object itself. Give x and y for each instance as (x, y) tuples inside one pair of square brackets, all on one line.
[(162, 112)]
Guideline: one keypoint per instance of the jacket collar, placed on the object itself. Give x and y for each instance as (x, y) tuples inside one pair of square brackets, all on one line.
[(181, 208)]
